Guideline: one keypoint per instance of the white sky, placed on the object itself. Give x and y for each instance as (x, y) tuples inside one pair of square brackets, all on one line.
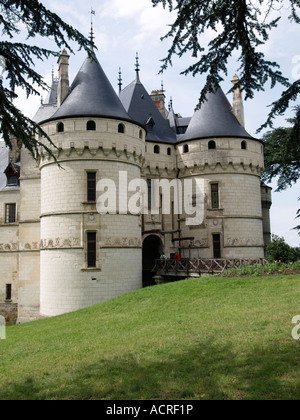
[(124, 27)]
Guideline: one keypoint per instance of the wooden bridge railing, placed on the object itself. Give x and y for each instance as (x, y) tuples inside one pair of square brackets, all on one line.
[(201, 265)]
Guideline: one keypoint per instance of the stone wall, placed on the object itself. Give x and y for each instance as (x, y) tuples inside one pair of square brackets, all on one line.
[(29, 240), (238, 219), (10, 312)]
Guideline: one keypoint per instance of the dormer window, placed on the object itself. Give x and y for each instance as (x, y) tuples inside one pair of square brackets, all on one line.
[(12, 173), (91, 126), (150, 124), (12, 181)]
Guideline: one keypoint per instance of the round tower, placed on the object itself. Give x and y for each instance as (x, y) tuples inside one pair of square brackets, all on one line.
[(217, 149), (87, 257)]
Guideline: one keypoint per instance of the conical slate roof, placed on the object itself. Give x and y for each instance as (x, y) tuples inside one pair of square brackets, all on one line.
[(214, 119), (172, 118), (49, 106), (141, 108), (4, 160), (91, 94)]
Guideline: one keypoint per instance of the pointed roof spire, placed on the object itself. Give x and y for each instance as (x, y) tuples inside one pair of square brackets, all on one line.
[(172, 118), (92, 37), (120, 80), (137, 67)]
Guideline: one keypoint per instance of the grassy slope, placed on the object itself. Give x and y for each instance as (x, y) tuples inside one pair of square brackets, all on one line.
[(208, 338)]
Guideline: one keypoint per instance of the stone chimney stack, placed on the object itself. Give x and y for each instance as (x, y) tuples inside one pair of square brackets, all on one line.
[(63, 82), (158, 97), (238, 105)]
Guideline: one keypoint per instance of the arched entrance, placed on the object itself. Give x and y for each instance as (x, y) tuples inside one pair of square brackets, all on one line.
[(152, 250)]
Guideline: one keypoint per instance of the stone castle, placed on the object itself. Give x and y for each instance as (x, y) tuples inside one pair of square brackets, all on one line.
[(59, 254)]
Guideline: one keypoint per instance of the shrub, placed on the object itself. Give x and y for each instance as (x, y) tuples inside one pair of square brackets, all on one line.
[(279, 250), (295, 254), (258, 270)]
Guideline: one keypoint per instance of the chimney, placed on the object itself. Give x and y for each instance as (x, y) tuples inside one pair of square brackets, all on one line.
[(238, 105), (63, 81), (158, 97)]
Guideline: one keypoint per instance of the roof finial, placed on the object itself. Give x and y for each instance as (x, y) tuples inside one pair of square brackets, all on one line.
[(120, 80), (92, 12), (137, 67), (162, 87)]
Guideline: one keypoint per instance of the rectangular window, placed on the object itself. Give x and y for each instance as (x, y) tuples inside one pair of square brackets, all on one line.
[(173, 215), (8, 292), (91, 249), (215, 196), (91, 187), (10, 213), (217, 246), (149, 184)]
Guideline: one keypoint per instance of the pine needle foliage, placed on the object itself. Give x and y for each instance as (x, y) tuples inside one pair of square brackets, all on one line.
[(18, 61), (282, 155), (238, 25)]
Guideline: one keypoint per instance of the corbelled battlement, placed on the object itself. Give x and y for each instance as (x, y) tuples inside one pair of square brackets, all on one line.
[(108, 140)]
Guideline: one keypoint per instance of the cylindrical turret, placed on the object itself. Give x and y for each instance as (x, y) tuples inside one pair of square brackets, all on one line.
[(229, 161), (87, 258)]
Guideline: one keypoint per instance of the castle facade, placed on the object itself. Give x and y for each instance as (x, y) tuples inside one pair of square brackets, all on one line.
[(59, 253)]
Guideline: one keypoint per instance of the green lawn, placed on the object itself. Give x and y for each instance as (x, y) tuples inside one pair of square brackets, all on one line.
[(195, 339)]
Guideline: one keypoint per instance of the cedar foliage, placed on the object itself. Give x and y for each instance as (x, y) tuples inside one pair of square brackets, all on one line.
[(239, 25), (18, 61), (282, 155)]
